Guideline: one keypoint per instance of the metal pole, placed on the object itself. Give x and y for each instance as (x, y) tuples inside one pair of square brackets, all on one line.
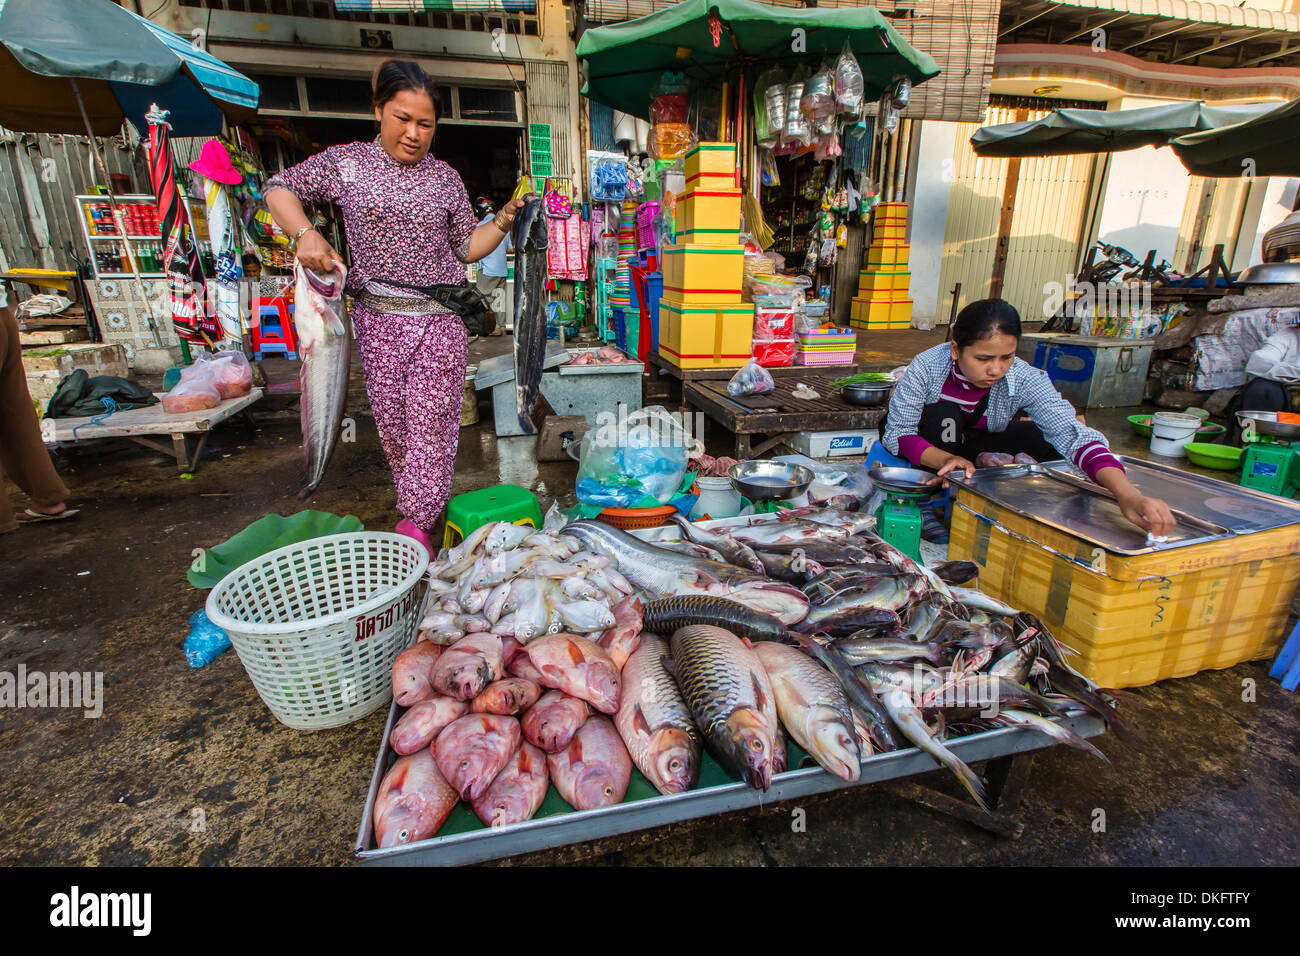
[(117, 215)]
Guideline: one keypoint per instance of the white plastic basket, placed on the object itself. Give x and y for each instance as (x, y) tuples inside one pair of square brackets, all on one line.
[(318, 624)]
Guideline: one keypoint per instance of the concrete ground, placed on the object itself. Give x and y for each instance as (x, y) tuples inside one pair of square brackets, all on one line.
[(187, 766)]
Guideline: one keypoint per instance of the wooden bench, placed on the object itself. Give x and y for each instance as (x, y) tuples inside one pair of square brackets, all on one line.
[(188, 430)]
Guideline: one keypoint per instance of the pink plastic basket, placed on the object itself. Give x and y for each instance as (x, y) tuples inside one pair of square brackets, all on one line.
[(645, 225), (823, 358)]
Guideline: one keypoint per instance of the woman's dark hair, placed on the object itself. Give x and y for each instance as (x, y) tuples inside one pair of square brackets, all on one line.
[(393, 76), (984, 318)]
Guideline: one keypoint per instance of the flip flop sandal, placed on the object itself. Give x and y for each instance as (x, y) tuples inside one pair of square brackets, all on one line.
[(497, 332), (35, 517)]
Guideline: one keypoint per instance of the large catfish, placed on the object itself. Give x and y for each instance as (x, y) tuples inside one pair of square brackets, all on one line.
[(530, 241), (663, 573), (320, 319)]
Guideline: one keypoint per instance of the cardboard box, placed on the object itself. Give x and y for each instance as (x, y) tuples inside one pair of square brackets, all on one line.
[(701, 273), (711, 158), (884, 232), (884, 257), (883, 285), (712, 335), (717, 208)]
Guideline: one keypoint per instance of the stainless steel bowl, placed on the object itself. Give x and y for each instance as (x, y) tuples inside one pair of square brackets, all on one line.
[(869, 394), (769, 480), (1266, 423), (905, 481), (1270, 273)]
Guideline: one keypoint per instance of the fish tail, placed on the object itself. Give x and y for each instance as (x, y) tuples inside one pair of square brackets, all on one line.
[(964, 774)]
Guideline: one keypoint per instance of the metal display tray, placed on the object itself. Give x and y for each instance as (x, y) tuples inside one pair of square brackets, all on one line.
[(1240, 509), (580, 826), (1080, 509)]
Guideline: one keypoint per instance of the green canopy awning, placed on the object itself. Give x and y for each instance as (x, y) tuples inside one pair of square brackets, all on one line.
[(1107, 131), (1265, 145), (623, 61)]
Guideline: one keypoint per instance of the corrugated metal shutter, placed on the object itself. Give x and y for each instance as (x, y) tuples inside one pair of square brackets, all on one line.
[(961, 37), (547, 93), (1050, 206)]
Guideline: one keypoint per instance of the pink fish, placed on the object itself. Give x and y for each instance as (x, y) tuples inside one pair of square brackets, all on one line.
[(473, 749), (594, 770), (573, 664), (417, 728), (468, 666), (554, 719), (621, 640), (412, 671), (413, 801), (514, 695), (518, 790)]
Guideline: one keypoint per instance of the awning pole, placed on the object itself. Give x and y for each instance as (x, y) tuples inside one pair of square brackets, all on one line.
[(117, 216)]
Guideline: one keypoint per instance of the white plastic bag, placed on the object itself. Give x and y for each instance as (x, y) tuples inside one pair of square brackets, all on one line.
[(848, 82), (753, 379)]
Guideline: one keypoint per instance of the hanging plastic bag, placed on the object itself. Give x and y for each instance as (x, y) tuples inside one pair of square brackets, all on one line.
[(769, 108), (797, 127), (668, 108), (901, 93), (848, 82), (818, 102), (887, 115), (670, 140), (768, 174), (752, 379)]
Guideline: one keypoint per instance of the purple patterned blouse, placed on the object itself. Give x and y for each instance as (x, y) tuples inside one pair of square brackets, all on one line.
[(406, 223)]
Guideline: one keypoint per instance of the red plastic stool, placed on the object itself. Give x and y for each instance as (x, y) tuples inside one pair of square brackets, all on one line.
[(272, 328)]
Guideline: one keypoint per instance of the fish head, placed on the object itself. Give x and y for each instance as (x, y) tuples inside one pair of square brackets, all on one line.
[(835, 745), (749, 738), (401, 822), (602, 684), (468, 679), (676, 759), (596, 786)]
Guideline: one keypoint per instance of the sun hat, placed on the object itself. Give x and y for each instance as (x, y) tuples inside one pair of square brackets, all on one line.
[(214, 163)]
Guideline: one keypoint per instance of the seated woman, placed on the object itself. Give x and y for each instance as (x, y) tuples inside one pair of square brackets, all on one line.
[(1270, 370), (959, 399)]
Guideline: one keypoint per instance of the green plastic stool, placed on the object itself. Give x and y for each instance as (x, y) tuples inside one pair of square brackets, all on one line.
[(477, 508)]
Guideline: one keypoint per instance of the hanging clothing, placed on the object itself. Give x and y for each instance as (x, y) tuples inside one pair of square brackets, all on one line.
[(409, 224)]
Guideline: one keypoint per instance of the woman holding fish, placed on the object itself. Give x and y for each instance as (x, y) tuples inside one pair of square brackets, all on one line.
[(958, 401), (410, 228)]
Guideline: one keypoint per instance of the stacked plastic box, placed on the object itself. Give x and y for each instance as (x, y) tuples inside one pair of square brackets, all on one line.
[(702, 321), (825, 347), (882, 301)]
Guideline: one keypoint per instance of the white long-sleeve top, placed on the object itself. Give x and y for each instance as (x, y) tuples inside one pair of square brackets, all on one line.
[(1278, 359)]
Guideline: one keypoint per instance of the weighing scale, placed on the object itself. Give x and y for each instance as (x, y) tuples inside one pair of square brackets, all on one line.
[(1272, 460), (898, 519), (768, 484)]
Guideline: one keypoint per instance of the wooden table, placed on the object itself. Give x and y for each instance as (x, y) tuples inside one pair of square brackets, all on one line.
[(799, 373), (779, 415), (139, 424)]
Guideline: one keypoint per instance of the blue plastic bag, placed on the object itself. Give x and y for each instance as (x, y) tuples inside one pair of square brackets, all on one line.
[(206, 641)]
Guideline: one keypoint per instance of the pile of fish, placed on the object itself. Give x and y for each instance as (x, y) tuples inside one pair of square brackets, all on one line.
[(605, 355), (568, 657)]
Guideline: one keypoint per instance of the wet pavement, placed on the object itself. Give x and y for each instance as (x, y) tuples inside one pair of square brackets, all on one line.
[(187, 766)]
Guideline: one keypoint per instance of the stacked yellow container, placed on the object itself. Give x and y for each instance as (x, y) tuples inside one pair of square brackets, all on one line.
[(882, 301), (702, 321)]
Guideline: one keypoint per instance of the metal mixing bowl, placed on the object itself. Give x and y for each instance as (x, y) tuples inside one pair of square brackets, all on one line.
[(769, 480), (904, 481), (870, 394)]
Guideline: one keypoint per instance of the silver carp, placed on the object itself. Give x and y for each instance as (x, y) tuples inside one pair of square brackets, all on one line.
[(530, 241), (320, 319), (655, 722), (812, 706)]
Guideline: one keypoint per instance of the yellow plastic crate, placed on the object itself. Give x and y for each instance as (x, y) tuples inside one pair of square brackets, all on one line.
[(889, 257), (708, 209), (882, 313), (884, 232), (715, 335), (1135, 620), (711, 158), (891, 209), (694, 272), (883, 284)]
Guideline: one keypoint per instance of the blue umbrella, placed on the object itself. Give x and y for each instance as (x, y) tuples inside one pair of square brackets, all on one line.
[(118, 64)]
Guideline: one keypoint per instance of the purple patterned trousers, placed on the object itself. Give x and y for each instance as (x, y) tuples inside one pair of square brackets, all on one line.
[(415, 378)]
